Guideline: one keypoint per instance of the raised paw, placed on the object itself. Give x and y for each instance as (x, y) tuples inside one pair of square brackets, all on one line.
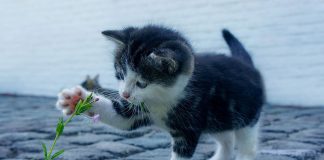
[(68, 98)]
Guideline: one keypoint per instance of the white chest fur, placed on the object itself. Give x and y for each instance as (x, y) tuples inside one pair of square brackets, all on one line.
[(162, 99), (159, 114)]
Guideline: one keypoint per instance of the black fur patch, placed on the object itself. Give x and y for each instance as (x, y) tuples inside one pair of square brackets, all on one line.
[(168, 46), (140, 123)]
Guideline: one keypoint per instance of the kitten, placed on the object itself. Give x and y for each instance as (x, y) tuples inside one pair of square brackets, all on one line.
[(91, 84), (163, 83)]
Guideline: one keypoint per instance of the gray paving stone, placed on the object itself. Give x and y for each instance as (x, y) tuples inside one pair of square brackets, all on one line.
[(268, 156), (117, 148), (9, 138), (86, 153), (288, 144), (267, 136), (158, 134), (4, 152), (284, 128), (88, 138), (287, 133), (127, 134), (29, 145), (163, 154), (30, 155), (151, 144), (299, 154), (157, 154), (35, 146), (205, 151), (310, 133)]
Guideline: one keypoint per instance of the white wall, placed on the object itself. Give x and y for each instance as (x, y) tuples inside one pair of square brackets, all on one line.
[(48, 45)]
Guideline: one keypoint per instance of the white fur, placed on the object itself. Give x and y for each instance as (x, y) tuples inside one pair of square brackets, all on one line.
[(109, 116), (225, 145), (103, 107), (160, 99), (153, 55), (157, 98), (247, 142), (128, 84)]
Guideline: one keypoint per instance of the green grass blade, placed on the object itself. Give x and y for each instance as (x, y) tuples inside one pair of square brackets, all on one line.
[(60, 126), (45, 150), (57, 154)]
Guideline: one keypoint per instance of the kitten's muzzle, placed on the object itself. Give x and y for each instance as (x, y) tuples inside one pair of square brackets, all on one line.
[(126, 95)]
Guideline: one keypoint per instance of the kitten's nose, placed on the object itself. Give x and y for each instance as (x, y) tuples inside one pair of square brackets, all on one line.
[(126, 95)]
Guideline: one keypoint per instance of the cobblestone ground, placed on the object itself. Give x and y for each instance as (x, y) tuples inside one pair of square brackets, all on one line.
[(287, 133)]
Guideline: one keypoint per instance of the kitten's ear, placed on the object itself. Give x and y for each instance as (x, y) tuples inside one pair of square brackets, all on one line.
[(96, 78), (163, 62), (88, 77), (117, 36)]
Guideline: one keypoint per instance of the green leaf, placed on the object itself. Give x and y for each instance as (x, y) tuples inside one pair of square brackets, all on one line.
[(85, 105), (88, 106), (85, 108), (89, 98), (81, 110), (57, 154), (79, 104), (60, 127), (45, 150)]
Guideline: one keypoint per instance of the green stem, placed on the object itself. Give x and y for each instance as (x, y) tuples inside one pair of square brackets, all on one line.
[(70, 118), (48, 157), (57, 136), (52, 147)]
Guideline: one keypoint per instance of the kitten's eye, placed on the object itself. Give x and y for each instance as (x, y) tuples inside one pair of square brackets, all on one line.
[(141, 84), (119, 76)]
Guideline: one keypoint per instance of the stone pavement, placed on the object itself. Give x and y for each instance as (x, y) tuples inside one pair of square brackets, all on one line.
[(287, 133)]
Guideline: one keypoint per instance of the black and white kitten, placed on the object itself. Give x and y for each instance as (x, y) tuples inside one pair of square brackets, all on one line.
[(163, 83)]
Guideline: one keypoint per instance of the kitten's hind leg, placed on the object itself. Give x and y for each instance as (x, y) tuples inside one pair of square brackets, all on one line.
[(247, 142), (225, 146)]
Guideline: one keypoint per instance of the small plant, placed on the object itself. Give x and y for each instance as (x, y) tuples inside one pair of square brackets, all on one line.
[(81, 107)]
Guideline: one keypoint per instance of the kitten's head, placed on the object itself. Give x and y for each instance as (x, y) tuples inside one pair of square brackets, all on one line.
[(91, 84), (151, 63)]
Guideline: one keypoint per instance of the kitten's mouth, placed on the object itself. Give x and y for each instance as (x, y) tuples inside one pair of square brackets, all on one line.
[(135, 102), (130, 100)]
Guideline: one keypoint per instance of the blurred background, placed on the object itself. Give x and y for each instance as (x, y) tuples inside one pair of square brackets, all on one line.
[(46, 46)]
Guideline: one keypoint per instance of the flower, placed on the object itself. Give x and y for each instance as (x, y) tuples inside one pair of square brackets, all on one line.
[(95, 118), (81, 106)]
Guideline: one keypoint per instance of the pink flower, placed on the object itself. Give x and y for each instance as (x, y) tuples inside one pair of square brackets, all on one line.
[(95, 118)]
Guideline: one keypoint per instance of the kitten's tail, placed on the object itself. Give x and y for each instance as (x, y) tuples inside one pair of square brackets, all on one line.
[(236, 47)]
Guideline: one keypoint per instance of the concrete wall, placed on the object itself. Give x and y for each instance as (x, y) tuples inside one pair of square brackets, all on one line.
[(48, 45)]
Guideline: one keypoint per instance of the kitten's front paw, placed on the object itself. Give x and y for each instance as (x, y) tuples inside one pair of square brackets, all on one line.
[(68, 98)]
